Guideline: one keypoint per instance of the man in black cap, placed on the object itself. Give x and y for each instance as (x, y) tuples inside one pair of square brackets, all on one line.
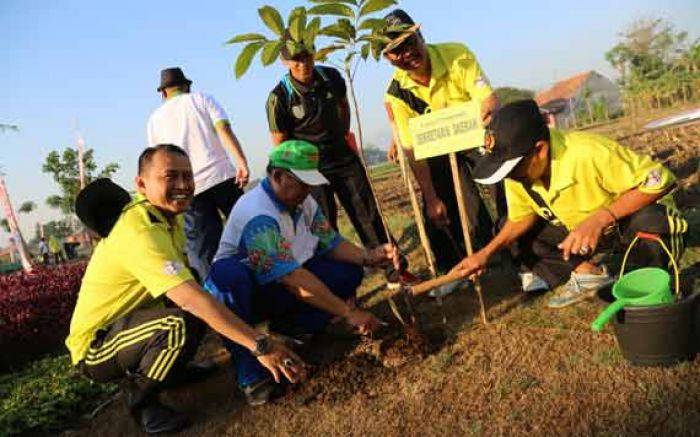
[(310, 104), (197, 123), (570, 194), (430, 77)]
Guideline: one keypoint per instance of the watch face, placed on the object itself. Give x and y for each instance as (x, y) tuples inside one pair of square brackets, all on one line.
[(262, 345)]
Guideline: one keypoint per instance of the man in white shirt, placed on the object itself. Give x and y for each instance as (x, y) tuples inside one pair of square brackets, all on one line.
[(197, 123)]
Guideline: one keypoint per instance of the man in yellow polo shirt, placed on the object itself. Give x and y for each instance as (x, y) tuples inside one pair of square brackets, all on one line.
[(139, 312), (429, 77), (570, 194)]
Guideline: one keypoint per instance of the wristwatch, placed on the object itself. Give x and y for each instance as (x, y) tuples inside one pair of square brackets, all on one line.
[(263, 346)]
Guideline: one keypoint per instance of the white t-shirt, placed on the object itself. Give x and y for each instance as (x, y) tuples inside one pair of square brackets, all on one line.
[(188, 120)]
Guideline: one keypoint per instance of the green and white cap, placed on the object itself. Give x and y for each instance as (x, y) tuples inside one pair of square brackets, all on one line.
[(299, 157)]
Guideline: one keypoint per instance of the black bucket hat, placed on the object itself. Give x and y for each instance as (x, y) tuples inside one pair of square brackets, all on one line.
[(511, 135), (100, 204), (172, 77)]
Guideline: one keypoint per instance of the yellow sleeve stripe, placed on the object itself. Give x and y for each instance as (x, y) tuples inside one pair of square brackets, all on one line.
[(166, 358)]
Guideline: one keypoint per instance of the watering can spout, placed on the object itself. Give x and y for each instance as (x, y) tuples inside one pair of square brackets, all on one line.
[(607, 314)]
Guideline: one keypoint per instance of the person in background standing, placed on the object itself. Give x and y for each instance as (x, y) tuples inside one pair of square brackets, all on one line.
[(197, 123), (44, 251), (310, 104)]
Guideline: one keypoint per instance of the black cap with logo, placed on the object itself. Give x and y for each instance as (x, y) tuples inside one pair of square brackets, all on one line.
[(511, 136)]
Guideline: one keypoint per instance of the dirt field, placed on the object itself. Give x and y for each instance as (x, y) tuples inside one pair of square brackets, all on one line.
[(530, 371)]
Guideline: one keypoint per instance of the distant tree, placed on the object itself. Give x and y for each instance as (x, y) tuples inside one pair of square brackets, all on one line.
[(58, 228), (64, 170), (374, 155), (657, 64), (507, 94), (27, 207), (5, 126)]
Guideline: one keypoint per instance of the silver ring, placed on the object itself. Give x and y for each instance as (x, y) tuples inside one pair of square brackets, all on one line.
[(288, 362), (584, 250)]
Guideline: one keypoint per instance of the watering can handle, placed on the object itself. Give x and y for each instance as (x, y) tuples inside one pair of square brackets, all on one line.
[(652, 237), (607, 314)]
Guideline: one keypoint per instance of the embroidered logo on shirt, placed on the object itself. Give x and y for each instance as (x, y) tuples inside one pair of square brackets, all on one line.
[(481, 81), (172, 268), (653, 179), (298, 111)]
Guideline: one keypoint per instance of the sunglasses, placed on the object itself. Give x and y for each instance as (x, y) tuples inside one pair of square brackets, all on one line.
[(409, 43)]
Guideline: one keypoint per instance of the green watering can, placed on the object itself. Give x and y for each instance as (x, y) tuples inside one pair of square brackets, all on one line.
[(642, 287)]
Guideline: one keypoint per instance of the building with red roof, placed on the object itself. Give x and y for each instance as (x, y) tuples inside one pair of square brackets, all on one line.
[(579, 95)]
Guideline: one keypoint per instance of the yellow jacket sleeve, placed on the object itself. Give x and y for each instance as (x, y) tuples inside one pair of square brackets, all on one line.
[(475, 81), (519, 204), (155, 262), (621, 170)]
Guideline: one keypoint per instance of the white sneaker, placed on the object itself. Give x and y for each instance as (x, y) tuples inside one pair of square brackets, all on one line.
[(448, 288), (531, 282), (580, 286)]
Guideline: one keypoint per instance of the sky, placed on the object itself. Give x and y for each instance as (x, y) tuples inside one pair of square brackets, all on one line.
[(96, 64)]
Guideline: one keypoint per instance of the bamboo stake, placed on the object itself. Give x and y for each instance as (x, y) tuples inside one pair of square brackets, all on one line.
[(417, 213), (464, 220)]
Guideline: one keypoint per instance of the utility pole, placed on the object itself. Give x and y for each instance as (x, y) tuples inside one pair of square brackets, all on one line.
[(80, 145)]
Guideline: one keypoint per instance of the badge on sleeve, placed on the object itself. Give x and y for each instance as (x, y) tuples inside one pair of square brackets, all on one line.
[(653, 178), (172, 268), (481, 80)]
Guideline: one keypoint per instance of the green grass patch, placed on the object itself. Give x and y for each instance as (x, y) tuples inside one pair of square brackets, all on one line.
[(47, 396), (382, 169)]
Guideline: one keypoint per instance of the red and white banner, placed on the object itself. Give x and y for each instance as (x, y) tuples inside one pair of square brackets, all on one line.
[(15, 233)]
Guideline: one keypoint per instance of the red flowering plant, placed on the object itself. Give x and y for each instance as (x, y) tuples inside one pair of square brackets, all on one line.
[(35, 308)]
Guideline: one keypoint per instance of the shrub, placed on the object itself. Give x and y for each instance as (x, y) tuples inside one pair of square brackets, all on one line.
[(35, 309)]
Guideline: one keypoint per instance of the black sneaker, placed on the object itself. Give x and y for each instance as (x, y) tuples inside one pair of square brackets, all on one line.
[(156, 418), (262, 392)]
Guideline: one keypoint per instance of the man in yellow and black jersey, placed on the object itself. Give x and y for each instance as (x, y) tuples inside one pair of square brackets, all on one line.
[(140, 313), (430, 77), (570, 194)]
